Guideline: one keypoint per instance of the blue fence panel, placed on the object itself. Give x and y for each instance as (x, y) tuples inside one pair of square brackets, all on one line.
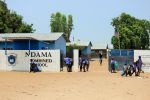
[(121, 57), (115, 53), (131, 53), (124, 52)]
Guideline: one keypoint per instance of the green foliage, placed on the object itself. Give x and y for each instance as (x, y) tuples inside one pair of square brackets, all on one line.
[(59, 23), (115, 42), (71, 47), (11, 22), (70, 25), (130, 32)]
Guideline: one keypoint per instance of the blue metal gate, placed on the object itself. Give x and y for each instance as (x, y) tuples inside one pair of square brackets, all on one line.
[(121, 57)]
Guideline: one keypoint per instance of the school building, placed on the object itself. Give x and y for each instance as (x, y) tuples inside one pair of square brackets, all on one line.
[(33, 41)]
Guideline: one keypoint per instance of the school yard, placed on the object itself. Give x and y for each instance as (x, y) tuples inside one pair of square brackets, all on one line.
[(97, 84)]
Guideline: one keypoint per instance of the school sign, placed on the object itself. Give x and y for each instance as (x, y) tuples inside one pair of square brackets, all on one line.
[(19, 60)]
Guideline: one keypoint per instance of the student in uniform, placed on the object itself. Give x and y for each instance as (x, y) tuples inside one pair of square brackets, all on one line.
[(80, 64), (125, 70), (84, 64), (112, 65), (130, 67), (71, 64), (134, 68), (68, 63), (87, 64), (139, 65), (101, 58), (33, 66)]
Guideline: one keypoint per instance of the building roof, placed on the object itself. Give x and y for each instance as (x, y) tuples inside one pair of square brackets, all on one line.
[(79, 43), (2, 40), (34, 36), (101, 46)]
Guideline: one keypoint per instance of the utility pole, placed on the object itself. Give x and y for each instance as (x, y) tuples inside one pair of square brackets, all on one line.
[(119, 40)]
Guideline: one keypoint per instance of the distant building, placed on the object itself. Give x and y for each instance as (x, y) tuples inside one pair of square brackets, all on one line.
[(100, 48), (33, 41), (84, 47)]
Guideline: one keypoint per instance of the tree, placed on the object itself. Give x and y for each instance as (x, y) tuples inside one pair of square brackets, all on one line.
[(130, 32), (70, 25), (11, 22), (64, 24), (59, 23)]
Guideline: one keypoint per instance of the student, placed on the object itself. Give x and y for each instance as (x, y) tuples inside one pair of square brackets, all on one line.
[(112, 65), (139, 65), (33, 67), (130, 67), (71, 64), (83, 64), (134, 68), (68, 63), (80, 64), (101, 58), (87, 64), (125, 70)]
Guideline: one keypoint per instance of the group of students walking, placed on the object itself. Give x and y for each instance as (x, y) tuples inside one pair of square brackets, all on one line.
[(135, 68), (84, 64)]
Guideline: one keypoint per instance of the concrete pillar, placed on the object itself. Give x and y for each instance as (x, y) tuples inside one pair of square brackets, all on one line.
[(75, 60)]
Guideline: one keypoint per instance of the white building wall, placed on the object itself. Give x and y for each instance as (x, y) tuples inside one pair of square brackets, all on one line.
[(22, 63), (2, 60), (145, 55), (75, 60)]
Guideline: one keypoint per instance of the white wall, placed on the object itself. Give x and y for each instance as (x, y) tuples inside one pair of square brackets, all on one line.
[(23, 60), (145, 55), (2, 60), (75, 60)]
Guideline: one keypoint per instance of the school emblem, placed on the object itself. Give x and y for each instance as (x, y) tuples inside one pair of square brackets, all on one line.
[(12, 59)]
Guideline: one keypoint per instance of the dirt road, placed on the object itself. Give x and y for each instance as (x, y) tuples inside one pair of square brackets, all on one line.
[(97, 84)]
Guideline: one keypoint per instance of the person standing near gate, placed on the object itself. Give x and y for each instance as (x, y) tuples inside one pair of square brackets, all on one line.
[(112, 65), (80, 64), (68, 63), (84, 64), (71, 64), (87, 64), (100, 58), (139, 65)]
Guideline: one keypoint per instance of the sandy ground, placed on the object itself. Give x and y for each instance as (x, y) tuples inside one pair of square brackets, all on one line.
[(97, 84)]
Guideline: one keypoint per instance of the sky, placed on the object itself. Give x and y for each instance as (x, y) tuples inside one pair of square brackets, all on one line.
[(91, 18)]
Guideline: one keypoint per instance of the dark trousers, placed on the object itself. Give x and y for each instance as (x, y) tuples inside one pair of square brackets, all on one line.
[(84, 67), (139, 71), (80, 67), (69, 67), (87, 67), (134, 71), (101, 61), (112, 67)]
